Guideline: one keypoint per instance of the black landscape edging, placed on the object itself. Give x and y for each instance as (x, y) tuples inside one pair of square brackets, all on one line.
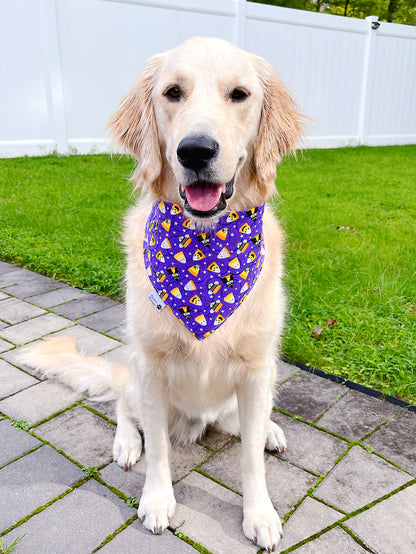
[(354, 386)]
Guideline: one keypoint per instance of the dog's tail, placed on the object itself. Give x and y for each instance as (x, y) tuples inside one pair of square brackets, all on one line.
[(58, 358)]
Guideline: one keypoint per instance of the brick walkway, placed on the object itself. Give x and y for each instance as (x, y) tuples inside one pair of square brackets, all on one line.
[(346, 484)]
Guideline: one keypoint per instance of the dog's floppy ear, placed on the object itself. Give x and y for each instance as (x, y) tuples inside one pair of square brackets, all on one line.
[(281, 125), (133, 125)]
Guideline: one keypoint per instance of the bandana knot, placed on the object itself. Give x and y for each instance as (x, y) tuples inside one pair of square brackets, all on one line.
[(203, 277)]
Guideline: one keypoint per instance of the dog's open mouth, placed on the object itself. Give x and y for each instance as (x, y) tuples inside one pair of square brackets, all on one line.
[(205, 199)]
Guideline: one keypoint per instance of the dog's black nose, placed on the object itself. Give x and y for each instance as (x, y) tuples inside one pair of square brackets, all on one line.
[(196, 152)]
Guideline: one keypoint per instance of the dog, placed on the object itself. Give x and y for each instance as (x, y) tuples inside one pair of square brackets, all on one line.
[(205, 303)]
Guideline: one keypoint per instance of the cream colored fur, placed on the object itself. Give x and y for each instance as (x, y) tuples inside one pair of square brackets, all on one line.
[(58, 358), (176, 385)]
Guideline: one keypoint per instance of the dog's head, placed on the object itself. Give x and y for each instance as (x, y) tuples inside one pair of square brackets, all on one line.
[(208, 123)]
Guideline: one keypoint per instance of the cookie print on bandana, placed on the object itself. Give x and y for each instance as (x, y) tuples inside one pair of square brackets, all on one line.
[(203, 277)]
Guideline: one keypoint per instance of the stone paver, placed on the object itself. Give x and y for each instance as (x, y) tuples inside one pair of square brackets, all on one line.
[(332, 542), (310, 518), (33, 474), (34, 329), (17, 276), (118, 356), (119, 333), (390, 525), (13, 380), (38, 402), (211, 514), (215, 439), (107, 409), (311, 448), (356, 414), (14, 442), (55, 297), (33, 481), (183, 460), (87, 304), (8, 268), (76, 524), (307, 395), (105, 320), (286, 483), (90, 343), (34, 286), (358, 479), (65, 430), (14, 311), (285, 372), (396, 440), (13, 356), (5, 345), (135, 536)]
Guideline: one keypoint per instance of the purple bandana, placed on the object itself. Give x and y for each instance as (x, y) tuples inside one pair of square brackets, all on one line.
[(202, 276)]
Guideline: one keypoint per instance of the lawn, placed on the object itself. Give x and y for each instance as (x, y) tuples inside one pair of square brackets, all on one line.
[(350, 221), (62, 216)]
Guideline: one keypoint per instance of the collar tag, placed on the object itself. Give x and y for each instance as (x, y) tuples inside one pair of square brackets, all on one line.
[(156, 301)]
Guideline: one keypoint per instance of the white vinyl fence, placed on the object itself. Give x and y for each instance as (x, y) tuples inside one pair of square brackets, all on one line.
[(65, 64)]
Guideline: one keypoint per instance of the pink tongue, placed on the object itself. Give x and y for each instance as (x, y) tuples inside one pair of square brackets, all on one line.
[(204, 197)]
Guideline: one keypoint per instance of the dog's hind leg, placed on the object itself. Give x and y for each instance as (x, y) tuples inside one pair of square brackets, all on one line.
[(230, 423), (127, 447)]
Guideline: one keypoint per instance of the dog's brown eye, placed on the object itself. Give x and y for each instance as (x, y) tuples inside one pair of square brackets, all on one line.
[(239, 94), (174, 93)]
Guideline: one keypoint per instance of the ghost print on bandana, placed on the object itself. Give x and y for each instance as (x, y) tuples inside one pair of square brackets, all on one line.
[(203, 277)]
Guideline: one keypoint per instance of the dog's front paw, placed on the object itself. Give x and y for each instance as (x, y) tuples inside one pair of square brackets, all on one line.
[(156, 510), (127, 448), (276, 439), (262, 526)]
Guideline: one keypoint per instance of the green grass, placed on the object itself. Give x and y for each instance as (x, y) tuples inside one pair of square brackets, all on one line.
[(22, 424), (132, 502), (365, 279), (12, 548), (91, 471), (61, 216)]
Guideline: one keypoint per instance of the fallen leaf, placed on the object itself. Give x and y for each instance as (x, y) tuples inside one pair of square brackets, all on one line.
[(316, 331), (330, 322)]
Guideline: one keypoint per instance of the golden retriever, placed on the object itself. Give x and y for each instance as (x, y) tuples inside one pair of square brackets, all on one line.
[(208, 123)]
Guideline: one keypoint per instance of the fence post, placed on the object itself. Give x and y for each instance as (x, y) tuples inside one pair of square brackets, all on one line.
[(54, 84), (240, 23), (372, 26)]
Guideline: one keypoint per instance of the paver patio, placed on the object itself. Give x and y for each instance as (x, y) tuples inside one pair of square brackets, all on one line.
[(346, 484)]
